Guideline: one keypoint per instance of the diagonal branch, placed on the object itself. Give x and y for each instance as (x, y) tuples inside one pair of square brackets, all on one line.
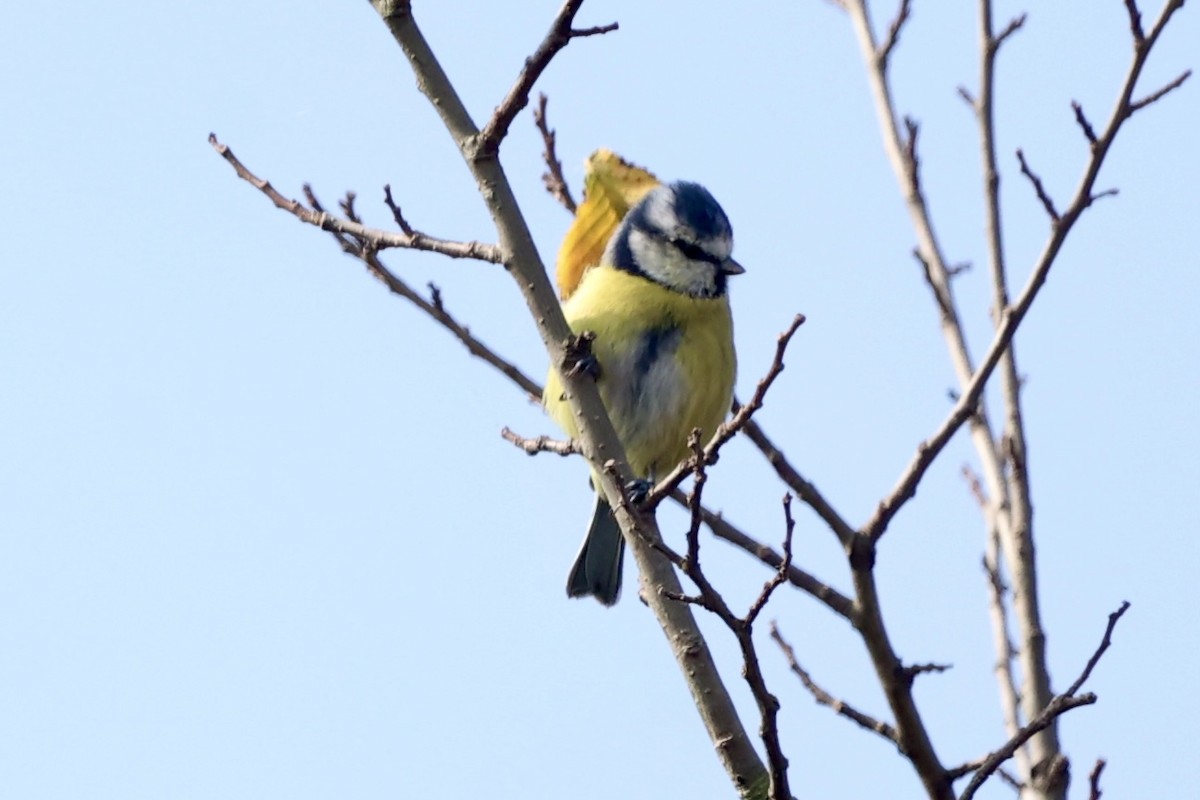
[(376, 239), (728, 429), (803, 488), (1058, 706), (596, 435), (723, 529), (559, 35), (824, 698)]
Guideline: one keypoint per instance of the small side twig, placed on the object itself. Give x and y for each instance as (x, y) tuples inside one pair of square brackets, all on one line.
[(723, 529), (373, 237), (559, 35), (1047, 202), (553, 178), (728, 429), (781, 574), (709, 598), (1057, 707), (893, 35), (1138, 105), (540, 444), (1088, 131), (1094, 792), (824, 698)]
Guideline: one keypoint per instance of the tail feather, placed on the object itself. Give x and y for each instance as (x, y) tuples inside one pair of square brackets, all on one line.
[(597, 569)]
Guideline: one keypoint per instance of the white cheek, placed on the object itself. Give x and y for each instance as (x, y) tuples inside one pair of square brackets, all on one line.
[(666, 265)]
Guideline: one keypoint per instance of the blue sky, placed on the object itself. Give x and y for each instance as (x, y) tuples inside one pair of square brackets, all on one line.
[(260, 536)]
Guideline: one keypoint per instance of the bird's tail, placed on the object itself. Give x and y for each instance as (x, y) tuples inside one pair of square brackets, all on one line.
[(597, 570)]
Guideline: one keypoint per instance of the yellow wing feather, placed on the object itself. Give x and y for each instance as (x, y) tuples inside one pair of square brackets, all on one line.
[(612, 186)]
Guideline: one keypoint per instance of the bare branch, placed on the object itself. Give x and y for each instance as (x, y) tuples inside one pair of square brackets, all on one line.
[(805, 490), (893, 35), (1105, 643), (555, 182), (1010, 702), (1088, 130), (742, 628), (1047, 203), (374, 238), (1055, 708), (728, 429), (723, 529), (1138, 105), (824, 698), (559, 35), (1015, 24), (912, 129), (963, 770), (781, 574), (976, 487), (1135, 22), (913, 670), (437, 311), (1094, 792), (540, 444)]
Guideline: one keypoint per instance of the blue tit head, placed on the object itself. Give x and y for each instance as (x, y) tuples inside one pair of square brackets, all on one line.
[(679, 237)]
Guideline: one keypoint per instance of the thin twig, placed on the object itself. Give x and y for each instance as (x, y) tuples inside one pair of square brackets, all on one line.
[(1015, 24), (728, 429), (1055, 708), (913, 670), (375, 238), (893, 34), (1105, 643), (723, 529), (781, 574), (841, 707), (1010, 699), (803, 488), (1138, 105), (1135, 22), (1088, 131), (540, 444), (555, 182), (1094, 792), (1047, 202), (559, 35), (437, 311)]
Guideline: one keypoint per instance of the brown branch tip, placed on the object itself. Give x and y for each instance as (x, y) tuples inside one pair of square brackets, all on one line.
[(541, 444), (553, 178)]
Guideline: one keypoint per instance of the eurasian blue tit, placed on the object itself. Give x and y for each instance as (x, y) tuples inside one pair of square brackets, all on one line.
[(658, 307)]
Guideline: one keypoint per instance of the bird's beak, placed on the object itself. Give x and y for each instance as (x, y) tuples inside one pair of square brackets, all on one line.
[(731, 267)]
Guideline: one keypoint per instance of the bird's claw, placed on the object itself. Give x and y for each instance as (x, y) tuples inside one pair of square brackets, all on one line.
[(578, 358), (637, 490)]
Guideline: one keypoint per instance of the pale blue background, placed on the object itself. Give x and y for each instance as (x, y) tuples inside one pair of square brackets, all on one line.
[(260, 535)]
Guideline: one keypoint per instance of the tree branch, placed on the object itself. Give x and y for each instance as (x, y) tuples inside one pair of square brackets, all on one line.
[(374, 238), (556, 183), (596, 436), (728, 429), (1055, 708), (559, 35), (824, 698), (540, 444)]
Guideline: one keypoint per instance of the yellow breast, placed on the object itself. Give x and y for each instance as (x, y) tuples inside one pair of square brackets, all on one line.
[(667, 364)]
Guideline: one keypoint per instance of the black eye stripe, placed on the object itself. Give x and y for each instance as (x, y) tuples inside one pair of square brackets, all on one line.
[(694, 252)]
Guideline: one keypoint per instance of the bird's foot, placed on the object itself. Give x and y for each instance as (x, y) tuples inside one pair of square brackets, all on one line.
[(637, 490), (578, 358)]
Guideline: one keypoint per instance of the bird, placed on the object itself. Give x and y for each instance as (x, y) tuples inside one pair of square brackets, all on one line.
[(658, 308)]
